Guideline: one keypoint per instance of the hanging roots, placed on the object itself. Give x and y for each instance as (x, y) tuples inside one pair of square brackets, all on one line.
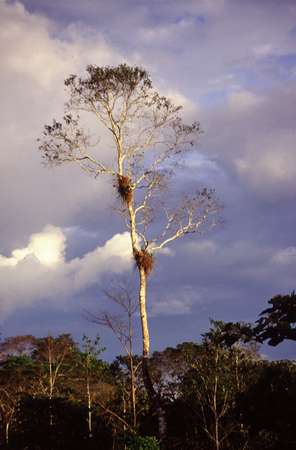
[(124, 188), (144, 260)]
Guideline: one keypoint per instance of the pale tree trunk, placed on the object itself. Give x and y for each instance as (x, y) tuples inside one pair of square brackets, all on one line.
[(237, 371), (143, 312), (50, 373), (51, 383), (217, 439), (153, 396), (132, 369), (216, 415), (89, 406), (7, 432), (133, 395), (124, 408)]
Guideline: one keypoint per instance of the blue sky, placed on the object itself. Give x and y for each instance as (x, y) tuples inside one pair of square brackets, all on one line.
[(232, 64)]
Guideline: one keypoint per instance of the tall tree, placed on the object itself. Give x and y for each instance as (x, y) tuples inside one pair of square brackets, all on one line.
[(149, 138)]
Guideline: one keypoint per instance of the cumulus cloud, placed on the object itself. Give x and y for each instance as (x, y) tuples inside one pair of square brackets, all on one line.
[(48, 247), (33, 49), (40, 270)]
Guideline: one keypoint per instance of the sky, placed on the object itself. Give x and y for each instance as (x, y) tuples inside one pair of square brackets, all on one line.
[(232, 65)]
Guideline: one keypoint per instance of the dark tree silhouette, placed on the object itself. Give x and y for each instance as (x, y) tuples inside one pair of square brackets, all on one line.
[(278, 322)]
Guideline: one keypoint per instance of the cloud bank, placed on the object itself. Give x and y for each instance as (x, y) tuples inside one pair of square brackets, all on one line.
[(40, 272)]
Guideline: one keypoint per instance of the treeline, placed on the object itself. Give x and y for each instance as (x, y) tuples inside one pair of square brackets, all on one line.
[(217, 394)]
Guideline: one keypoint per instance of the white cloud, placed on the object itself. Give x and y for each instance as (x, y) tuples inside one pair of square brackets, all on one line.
[(48, 247), (285, 256), (241, 101), (40, 271), (190, 109), (271, 161), (33, 49), (114, 256)]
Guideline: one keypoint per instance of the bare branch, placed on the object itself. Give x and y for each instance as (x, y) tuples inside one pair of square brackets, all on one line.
[(113, 414), (192, 215)]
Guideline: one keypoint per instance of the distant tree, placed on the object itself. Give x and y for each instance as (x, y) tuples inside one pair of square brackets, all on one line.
[(22, 345), (229, 334), (53, 355), (148, 139), (48, 394), (214, 386), (17, 378), (119, 292), (236, 337), (278, 322), (212, 399), (92, 368), (217, 371)]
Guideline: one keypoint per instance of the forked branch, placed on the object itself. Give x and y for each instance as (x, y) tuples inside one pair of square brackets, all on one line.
[(192, 216)]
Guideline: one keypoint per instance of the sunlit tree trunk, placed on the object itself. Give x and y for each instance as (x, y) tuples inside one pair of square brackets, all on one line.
[(132, 368), (51, 381), (143, 312), (133, 393), (89, 407), (7, 432), (153, 396), (215, 409)]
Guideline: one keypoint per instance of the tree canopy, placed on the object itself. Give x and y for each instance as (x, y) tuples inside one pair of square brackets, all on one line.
[(278, 322)]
